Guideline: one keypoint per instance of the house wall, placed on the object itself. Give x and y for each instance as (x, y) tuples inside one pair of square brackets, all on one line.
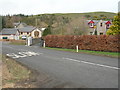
[(101, 29), (12, 36), (90, 31), (24, 34), (33, 33), (8, 36)]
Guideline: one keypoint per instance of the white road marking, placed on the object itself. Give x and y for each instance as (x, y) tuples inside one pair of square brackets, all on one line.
[(116, 68), (13, 55), (23, 54)]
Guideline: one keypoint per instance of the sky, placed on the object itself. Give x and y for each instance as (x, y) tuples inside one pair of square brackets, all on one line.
[(33, 7)]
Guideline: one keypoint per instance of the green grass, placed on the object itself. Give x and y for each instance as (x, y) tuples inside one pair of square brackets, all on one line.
[(101, 53)]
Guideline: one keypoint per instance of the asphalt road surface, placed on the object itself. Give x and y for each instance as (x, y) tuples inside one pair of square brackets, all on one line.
[(76, 69)]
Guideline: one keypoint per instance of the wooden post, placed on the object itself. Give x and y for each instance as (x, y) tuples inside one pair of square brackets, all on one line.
[(76, 48), (44, 44)]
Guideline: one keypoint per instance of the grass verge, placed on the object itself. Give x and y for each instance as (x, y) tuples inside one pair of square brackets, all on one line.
[(13, 43), (16, 75), (18, 43), (101, 53), (13, 72)]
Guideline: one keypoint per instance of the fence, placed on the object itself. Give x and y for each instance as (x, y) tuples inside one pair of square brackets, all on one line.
[(85, 42)]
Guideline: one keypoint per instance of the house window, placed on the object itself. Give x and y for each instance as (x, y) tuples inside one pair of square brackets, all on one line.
[(91, 33), (91, 24), (108, 25), (21, 32), (101, 24), (101, 33)]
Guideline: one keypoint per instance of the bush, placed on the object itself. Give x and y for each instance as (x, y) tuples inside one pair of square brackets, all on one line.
[(85, 42)]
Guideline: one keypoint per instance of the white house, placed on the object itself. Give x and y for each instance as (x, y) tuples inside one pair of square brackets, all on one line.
[(9, 33), (98, 26), (21, 30), (30, 31)]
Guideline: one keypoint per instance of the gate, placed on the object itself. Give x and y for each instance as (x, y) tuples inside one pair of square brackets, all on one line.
[(34, 41)]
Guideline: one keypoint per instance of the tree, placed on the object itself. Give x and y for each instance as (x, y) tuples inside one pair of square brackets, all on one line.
[(115, 28), (47, 31)]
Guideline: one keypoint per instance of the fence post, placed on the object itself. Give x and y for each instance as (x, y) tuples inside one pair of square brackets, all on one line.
[(76, 48), (44, 44)]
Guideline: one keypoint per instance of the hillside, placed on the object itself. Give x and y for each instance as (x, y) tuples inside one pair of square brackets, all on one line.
[(60, 23), (69, 23)]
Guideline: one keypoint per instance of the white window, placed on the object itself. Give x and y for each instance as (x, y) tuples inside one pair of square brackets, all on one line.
[(101, 33), (91, 33), (91, 24)]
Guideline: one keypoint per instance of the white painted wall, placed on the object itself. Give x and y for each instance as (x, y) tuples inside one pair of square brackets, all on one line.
[(101, 29), (40, 33), (8, 36)]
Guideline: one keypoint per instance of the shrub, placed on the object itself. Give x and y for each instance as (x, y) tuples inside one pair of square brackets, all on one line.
[(85, 42)]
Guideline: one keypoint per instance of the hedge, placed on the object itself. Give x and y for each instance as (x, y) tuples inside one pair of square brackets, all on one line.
[(85, 42)]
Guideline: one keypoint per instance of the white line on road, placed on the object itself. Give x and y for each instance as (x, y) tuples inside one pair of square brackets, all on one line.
[(116, 68)]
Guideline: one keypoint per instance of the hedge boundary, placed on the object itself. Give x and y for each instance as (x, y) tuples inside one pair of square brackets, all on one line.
[(108, 43)]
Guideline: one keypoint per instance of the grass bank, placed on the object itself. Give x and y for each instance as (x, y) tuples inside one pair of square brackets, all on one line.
[(18, 42), (13, 72), (101, 53)]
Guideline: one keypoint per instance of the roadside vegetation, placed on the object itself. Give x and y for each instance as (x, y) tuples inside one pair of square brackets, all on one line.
[(13, 72), (18, 42), (100, 53), (115, 28)]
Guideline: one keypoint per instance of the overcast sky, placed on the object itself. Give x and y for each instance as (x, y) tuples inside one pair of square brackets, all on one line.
[(29, 7)]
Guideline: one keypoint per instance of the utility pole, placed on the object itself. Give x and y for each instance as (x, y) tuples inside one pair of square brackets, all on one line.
[(36, 22)]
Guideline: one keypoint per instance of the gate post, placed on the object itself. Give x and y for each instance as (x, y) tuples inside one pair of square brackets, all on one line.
[(29, 41), (77, 48), (44, 44)]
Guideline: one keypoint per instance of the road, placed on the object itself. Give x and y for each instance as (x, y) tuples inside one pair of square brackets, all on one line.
[(76, 69)]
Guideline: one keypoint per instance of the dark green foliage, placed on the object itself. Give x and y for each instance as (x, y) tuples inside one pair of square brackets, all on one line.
[(47, 31)]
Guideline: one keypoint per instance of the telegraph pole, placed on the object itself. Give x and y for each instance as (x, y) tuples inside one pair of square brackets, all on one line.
[(36, 22)]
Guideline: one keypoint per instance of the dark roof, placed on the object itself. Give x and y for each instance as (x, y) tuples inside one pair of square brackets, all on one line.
[(8, 31), (27, 29)]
